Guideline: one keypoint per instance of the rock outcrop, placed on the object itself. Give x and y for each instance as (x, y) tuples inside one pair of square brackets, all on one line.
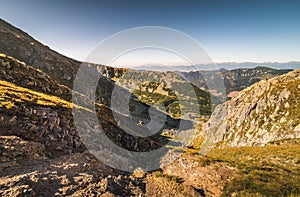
[(265, 112)]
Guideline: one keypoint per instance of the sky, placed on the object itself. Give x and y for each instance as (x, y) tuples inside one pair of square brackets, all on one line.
[(229, 31)]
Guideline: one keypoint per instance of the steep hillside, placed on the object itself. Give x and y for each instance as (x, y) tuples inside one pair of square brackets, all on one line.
[(16, 72), (30, 99), (16, 43), (36, 108), (265, 112)]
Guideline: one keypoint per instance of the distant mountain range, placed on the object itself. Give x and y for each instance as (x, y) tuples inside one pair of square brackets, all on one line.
[(219, 66)]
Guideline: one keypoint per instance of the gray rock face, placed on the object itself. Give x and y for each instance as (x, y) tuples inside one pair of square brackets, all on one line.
[(265, 112)]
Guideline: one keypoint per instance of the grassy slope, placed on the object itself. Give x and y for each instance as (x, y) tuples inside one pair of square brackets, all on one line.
[(273, 170), (11, 94), (173, 104)]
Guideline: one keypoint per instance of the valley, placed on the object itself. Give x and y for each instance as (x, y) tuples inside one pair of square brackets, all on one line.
[(213, 144)]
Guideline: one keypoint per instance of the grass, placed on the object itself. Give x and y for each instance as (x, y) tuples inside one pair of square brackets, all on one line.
[(151, 98), (10, 94), (192, 99), (168, 177), (273, 170)]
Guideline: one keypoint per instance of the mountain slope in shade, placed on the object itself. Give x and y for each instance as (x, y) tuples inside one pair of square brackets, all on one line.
[(265, 112), (31, 100)]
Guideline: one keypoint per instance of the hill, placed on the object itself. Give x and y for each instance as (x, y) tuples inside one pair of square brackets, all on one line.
[(18, 44), (266, 111)]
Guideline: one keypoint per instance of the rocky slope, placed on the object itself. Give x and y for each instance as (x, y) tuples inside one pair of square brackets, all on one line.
[(265, 112), (41, 152), (35, 107), (18, 44)]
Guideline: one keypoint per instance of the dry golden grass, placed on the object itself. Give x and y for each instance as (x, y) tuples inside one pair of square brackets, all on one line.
[(10, 94)]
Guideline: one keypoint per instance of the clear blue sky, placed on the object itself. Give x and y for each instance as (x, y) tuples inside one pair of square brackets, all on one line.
[(238, 31)]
